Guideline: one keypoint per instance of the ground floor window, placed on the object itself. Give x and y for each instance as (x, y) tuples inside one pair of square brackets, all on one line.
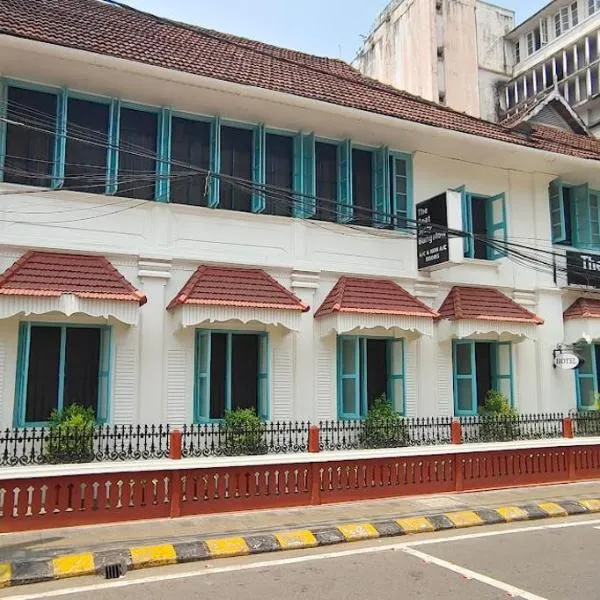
[(369, 368), (478, 368), (587, 376), (231, 372), (60, 365)]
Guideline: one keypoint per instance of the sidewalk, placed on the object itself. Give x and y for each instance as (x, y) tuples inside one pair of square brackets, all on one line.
[(28, 546)]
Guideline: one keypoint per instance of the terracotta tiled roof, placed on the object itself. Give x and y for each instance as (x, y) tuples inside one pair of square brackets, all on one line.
[(232, 286), (484, 304), (372, 296), (103, 28), (583, 308), (54, 274)]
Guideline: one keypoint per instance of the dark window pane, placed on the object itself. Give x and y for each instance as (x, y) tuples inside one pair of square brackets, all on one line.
[(479, 213), (137, 152), (29, 148), (190, 145), (377, 369), (218, 367), (244, 371), (236, 160), (279, 173), (483, 366), (362, 186), (327, 181), (43, 373), (82, 364), (85, 167)]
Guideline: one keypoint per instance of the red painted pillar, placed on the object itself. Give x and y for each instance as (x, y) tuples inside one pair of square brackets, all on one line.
[(456, 431), (175, 507), (314, 441), (567, 427), (175, 439)]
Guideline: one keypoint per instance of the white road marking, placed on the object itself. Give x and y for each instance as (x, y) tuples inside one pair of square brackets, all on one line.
[(513, 591), (210, 570)]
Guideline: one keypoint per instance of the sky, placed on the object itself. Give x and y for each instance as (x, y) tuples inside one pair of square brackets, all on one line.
[(323, 27)]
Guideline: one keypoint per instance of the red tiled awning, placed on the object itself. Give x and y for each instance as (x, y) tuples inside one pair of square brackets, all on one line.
[(583, 308), (41, 282), (486, 310), (582, 320), (356, 302), (217, 293)]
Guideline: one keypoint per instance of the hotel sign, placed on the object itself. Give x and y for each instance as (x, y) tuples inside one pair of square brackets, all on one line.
[(583, 269)]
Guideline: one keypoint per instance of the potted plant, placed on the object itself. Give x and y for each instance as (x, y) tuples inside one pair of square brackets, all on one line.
[(71, 436)]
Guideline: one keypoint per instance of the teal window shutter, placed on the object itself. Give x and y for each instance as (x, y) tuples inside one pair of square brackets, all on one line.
[(465, 380), (381, 195), (345, 210), (213, 183), (396, 389), (467, 220), (258, 169), (202, 387), (595, 218), (60, 141), (586, 377), (557, 212), (263, 377), (580, 201), (104, 376), (401, 189), (348, 364), (113, 148), (309, 178), (502, 371), (298, 207), (3, 109), (22, 372), (163, 152), (497, 229)]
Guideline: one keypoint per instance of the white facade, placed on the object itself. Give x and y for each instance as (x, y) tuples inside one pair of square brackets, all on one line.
[(157, 247), (442, 50)]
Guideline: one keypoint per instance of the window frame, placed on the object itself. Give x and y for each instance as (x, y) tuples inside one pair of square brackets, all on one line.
[(361, 403), (105, 370), (593, 375), (201, 408)]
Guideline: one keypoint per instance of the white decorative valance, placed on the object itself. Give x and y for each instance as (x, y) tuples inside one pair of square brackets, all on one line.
[(68, 304), (582, 329), (345, 322), (193, 315), (514, 331)]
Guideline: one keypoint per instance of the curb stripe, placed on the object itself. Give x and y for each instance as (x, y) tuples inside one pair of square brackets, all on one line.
[(227, 547), (415, 525), (512, 513), (465, 518), (72, 565), (353, 532), (299, 538), (5, 575), (153, 556), (553, 509), (592, 504)]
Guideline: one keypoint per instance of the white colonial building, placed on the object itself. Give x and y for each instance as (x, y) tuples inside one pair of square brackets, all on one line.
[(192, 222)]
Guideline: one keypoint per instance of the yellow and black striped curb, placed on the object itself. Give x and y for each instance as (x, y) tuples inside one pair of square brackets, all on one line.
[(20, 572)]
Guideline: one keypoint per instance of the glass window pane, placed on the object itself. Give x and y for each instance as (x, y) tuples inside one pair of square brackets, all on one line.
[(349, 402), (497, 211), (218, 370), (82, 366), (503, 366), (279, 171), (586, 353), (400, 167), (349, 350), (463, 359), (43, 373), (397, 357), (464, 402), (244, 371), (326, 173), (398, 394), (203, 353), (236, 160), (587, 394), (505, 388)]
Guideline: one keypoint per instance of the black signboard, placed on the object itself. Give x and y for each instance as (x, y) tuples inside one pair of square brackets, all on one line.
[(432, 242), (583, 269)]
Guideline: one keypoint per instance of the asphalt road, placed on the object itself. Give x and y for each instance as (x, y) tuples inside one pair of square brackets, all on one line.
[(546, 560)]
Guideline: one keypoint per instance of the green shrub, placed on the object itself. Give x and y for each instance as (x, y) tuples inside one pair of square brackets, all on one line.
[(498, 419), (383, 427), (71, 437), (243, 431)]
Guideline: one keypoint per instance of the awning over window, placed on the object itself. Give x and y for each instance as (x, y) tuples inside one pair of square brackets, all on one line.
[(219, 294), (471, 312), (357, 303), (582, 320), (43, 282)]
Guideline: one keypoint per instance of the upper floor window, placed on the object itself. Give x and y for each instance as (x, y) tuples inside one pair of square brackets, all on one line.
[(566, 18), (517, 52), (326, 181), (279, 172), (574, 215), (534, 40), (593, 6), (484, 219), (235, 161)]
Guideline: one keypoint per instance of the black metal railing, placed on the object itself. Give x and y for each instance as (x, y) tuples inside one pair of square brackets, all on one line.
[(45, 445), (394, 433), (219, 439), (586, 423), (505, 428)]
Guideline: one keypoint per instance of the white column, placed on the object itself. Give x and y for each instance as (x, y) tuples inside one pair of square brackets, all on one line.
[(152, 406), (535, 83), (304, 285)]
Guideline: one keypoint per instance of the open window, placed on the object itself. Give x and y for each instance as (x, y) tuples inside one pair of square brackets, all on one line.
[(279, 173), (326, 178), (362, 187), (235, 160), (478, 368), (231, 372), (60, 365), (369, 368)]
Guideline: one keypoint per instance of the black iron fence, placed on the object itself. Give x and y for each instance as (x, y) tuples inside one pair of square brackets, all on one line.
[(45, 445), (395, 433), (586, 423), (506, 428), (220, 439)]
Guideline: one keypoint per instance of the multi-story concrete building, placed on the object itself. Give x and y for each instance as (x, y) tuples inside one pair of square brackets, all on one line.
[(469, 56), (192, 222)]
